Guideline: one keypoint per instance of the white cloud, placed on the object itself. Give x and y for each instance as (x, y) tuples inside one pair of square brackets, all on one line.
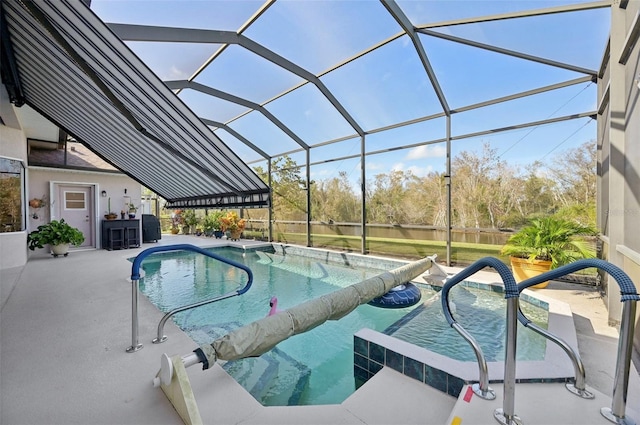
[(427, 151), (374, 166), (415, 170), (177, 74), (420, 171)]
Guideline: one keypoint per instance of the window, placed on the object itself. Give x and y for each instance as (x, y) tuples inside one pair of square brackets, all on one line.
[(11, 198), (74, 201)]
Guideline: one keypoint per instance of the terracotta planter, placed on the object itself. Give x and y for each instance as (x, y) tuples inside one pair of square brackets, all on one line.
[(234, 235), (36, 203), (524, 269)]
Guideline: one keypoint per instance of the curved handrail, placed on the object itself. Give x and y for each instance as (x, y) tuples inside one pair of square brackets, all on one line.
[(135, 277), (629, 296), (511, 292), (579, 386)]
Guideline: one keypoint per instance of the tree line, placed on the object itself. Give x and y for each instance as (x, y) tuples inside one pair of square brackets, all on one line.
[(486, 192)]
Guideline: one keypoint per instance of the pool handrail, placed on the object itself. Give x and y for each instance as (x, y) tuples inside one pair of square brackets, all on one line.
[(578, 387), (629, 298), (482, 389), (135, 278)]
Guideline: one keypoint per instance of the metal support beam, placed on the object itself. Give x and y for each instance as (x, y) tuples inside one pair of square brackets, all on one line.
[(447, 182), (183, 84), (270, 215), (188, 35), (508, 52), (308, 183), (363, 192), (522, 14), (402, 19)]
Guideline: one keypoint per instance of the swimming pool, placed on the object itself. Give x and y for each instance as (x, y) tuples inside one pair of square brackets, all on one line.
[(482, 313), (316, 367), (312, 368)]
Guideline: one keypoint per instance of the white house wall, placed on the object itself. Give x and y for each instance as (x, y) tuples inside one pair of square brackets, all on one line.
[(114, 185), (619, 157)]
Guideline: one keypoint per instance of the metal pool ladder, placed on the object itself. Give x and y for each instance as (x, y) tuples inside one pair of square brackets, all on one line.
[(506, 415), (135, 278)]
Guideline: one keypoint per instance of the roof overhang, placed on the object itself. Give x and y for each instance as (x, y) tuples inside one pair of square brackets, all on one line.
[(74, 71)]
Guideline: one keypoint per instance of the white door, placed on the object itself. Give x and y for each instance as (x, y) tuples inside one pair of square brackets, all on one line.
[(75, 205)]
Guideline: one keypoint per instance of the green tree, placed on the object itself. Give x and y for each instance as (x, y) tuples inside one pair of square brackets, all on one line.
[(288, 188), (335, 200)]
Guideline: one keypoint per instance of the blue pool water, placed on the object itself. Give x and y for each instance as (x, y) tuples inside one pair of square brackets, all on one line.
[(317, 367), (480, 312), (312, 368)]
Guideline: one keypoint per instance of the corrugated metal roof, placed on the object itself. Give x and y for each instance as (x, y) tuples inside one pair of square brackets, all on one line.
[(77, 73)]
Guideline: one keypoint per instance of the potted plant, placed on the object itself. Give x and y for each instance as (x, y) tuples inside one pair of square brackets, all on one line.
[(190, 221), (545, 244), (56, 233), (213, 224), (234, 224), (110, 215), (176, 221), (132, 210), (36, 204)]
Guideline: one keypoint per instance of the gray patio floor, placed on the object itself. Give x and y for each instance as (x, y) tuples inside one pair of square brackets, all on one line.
[(65, 324)]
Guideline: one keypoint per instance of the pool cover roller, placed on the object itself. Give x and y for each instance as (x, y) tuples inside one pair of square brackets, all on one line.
[(262, 335)]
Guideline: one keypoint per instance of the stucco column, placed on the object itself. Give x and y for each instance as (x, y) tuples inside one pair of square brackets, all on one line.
[(615, 214)]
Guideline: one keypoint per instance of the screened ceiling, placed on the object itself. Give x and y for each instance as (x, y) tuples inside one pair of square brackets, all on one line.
[(327, 80), (277, 77)]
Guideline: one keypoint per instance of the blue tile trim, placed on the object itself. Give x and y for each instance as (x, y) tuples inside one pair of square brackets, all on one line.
[(376, 352), (365, 367), (414, 369), (435, 378), (394, 360), (361, 346)]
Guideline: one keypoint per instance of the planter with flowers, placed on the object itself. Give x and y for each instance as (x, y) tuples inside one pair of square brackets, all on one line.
[(212, 224), (233, 224)]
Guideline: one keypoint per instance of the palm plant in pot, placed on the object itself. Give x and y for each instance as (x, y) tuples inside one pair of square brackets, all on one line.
[(545, 244), (58, 234)]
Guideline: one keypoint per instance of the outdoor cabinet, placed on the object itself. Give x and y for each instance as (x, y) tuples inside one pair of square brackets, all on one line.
[(120, 234)]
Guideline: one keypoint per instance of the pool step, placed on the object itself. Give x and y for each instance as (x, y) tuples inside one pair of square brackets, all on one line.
[(539, 403), (274, 378)]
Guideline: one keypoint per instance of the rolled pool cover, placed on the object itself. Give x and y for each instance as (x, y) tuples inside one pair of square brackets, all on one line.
[(262, 335)]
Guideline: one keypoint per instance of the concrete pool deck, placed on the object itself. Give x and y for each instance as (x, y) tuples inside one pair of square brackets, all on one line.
[(65, 324)]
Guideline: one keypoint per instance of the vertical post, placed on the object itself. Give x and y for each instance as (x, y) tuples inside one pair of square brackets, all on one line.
[(618, 162), (135, 345), (448, 187), (308, 183), (270, 215), (363, 184), (616, 413), (506, 415)]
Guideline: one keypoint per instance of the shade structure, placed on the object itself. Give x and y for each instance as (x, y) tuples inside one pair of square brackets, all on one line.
[(63, 61)]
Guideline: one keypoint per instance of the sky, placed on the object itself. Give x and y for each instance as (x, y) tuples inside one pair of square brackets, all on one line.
[(384, 87)]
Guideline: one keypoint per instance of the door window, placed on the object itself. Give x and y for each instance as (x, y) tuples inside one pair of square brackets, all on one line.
[(75, 201)]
